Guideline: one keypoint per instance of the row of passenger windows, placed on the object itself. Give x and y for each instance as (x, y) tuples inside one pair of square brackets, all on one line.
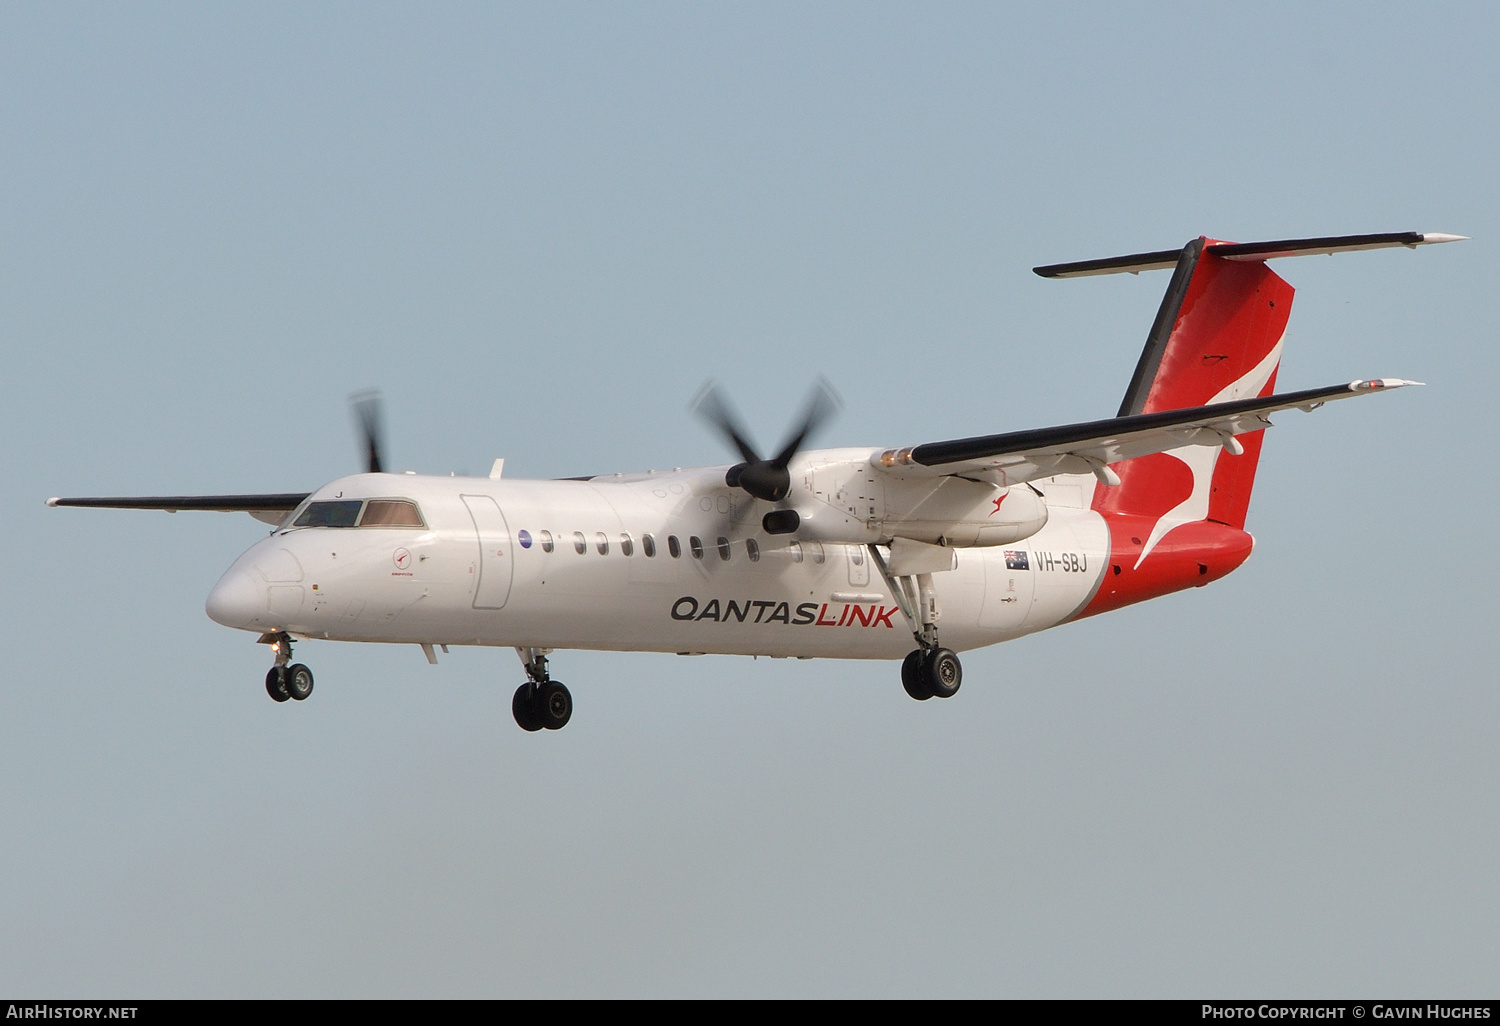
[(601, 543), (404, 513)]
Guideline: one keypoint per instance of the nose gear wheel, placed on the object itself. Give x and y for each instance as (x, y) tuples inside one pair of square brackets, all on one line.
[(276, 684), (286, 679), (299, 681)]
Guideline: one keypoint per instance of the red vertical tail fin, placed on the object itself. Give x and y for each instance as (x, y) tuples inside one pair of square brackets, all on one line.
[(1216, 337), (1177, 518)]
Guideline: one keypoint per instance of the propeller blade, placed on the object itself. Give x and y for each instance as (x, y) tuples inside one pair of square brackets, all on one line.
[(762, 478), (369, 412), (822, 404), (713, 406)]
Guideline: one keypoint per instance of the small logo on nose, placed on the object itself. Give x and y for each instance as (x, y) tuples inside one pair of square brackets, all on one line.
[(402, 559)]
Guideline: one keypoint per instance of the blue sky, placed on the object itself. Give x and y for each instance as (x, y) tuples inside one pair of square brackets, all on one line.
[(539, 229)]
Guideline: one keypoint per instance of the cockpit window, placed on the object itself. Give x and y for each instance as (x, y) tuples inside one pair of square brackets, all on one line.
[(334, 513), (391, 513), (345, 513)]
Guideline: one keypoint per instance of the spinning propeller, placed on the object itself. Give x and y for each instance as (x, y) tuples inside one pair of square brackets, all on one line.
[(268, 508), (761, 478), (369, 411)]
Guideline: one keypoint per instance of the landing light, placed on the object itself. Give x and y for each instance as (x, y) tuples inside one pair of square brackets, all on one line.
[(894, 457)]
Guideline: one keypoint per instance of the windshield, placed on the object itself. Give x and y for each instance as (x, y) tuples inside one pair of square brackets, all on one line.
[(346, 513), (336, 513), (391, 513)]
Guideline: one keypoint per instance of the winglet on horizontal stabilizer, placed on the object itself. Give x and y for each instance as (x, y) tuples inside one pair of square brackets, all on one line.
[(1246, 251), (1374, 383)]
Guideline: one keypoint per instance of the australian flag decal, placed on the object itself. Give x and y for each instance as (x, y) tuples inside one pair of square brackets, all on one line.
[(1016, 560)]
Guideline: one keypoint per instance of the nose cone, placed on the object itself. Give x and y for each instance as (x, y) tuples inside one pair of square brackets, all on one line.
[(237, 600)]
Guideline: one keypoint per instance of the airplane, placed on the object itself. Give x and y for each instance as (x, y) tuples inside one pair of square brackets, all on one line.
[(908, 552)]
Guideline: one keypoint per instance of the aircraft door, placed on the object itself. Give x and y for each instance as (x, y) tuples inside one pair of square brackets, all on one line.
[(496, 562), (859, 566), (1009, 587)]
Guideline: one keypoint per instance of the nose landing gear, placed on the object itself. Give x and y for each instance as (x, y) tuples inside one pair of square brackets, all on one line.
[(286, 680), (541, 703)]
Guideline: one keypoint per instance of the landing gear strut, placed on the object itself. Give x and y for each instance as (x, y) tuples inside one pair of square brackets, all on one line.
[(540, 703), (286, 679), (929, 670)]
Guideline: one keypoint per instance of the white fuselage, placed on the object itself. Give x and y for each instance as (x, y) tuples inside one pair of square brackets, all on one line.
[(480, 573)]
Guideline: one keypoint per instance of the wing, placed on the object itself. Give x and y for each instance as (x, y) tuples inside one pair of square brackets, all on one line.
[(1018, 456), (269, 508)]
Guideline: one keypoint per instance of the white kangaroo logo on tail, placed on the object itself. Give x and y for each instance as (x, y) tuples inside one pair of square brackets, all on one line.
[(1201, 459)]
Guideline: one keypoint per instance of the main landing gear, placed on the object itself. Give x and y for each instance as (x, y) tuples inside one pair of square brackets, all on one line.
[(540, 703), (929, 670), (286, 679), (931, 673)]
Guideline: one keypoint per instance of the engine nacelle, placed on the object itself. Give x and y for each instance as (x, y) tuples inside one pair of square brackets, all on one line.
[(961, 513), (850, 501)]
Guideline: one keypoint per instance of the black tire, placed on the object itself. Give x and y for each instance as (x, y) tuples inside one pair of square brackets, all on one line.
[(276, 684), (911, 675), (524, 709), (553, 705), (942, 673), (299, 682)]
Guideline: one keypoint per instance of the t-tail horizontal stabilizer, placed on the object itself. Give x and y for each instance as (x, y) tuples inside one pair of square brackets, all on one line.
[(1246, 251)]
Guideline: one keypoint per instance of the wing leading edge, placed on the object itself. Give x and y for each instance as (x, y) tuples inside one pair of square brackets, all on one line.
[(1090, 447), (268, 508)]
